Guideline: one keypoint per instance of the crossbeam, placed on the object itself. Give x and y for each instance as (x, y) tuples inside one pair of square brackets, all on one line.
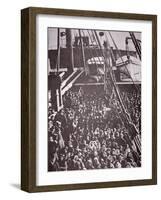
[(118, 83)]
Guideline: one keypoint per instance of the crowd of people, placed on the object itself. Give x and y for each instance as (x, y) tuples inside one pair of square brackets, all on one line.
[(88, 133)]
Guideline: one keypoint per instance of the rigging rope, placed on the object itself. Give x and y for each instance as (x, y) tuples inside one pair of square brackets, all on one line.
[(123, 61), (136, 44), (96, 53), (97, 43), (90, 52), (105, 78), (126, 115)]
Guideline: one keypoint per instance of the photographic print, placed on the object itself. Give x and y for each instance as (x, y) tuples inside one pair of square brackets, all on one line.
[(89, 99), (94, 99)]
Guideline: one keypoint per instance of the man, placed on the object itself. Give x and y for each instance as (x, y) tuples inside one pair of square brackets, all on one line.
[(60, 116), (62, 163), (59, 133)]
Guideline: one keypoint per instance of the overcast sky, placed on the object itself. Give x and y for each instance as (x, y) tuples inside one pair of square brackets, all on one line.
[(118, 36)]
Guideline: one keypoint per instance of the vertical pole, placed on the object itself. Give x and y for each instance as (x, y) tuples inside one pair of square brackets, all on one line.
[(83, 54), (58, 47), (127, 48), (58, 79), (70, 48)]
